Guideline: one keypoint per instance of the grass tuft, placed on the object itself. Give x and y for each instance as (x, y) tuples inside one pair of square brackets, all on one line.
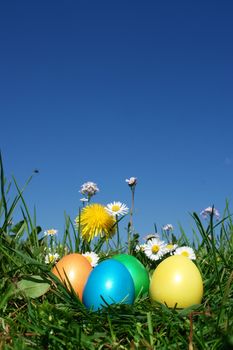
[(38, 312)]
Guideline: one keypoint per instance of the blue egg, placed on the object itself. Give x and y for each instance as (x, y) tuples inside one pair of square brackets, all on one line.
[(109, 281)]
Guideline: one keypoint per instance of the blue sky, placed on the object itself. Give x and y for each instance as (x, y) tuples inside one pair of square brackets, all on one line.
[(105, 90)]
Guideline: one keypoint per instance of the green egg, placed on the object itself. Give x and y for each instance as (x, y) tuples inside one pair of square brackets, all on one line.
[(138, 273)]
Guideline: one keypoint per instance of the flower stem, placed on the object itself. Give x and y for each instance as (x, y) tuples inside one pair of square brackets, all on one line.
[(130, 226), (132, 209), (118, 233)]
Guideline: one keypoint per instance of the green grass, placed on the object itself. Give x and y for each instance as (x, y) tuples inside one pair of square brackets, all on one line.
[(54, 318)]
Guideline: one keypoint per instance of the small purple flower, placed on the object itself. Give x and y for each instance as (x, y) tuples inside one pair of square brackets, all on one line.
[(168, 227), (89, 189), (210, 211), (132, 181)]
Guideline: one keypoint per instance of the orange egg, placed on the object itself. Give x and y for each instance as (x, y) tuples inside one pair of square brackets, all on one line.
[(77, 269)]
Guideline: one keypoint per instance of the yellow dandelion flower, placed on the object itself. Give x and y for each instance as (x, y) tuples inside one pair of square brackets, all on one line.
[(95, 221)]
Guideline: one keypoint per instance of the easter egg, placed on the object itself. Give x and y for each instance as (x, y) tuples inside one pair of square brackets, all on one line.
[(176, 281), (74, 267), (109, 282), (138, 273)]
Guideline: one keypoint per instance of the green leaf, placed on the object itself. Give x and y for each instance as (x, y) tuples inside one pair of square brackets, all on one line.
[(33, 286)]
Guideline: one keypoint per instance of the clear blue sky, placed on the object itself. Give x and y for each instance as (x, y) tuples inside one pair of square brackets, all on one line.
[(105, 90)]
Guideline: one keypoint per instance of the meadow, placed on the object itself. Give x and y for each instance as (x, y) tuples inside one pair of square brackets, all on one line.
[(37, 311)]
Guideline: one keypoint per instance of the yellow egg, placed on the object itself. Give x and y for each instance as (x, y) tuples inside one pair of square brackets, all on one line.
[(176, 281)]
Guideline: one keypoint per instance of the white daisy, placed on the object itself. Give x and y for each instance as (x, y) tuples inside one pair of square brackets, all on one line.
[(83, 200), (51, 258), (170, 247), (155, 249), (140, 247), (92, 257), (150, 236), (50, 232), (185, 251), (117, 208)]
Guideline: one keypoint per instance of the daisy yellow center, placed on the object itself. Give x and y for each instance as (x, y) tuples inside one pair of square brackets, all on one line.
[(51, 258), (51, 232), (185, 254), (155, 249), (89, 258), (115, 207), (169, 246)]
